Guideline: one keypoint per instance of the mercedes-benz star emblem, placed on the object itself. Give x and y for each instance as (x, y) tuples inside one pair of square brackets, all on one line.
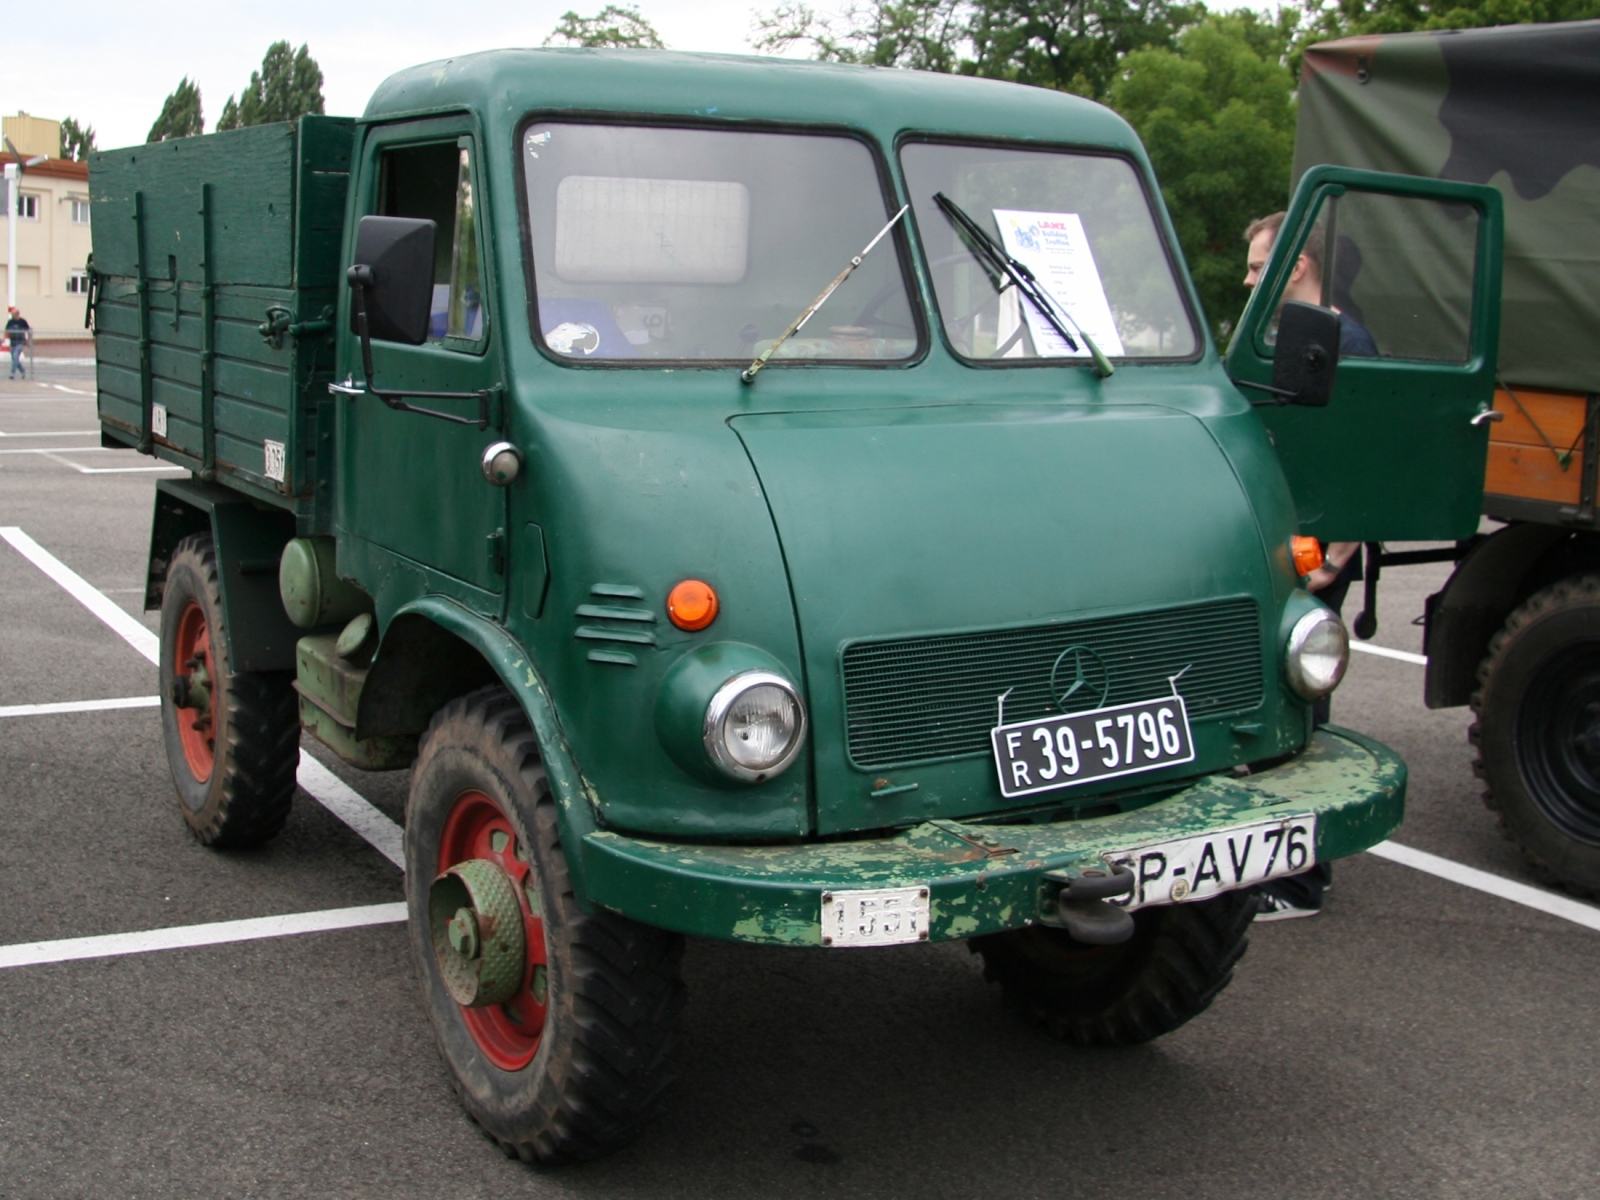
[(1080, 680)]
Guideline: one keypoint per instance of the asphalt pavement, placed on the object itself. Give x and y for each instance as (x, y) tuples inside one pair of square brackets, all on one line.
[(1418, 1039)]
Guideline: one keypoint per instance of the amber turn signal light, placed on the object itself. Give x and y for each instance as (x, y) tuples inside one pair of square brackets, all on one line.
[(1307, 552), (692, 605)]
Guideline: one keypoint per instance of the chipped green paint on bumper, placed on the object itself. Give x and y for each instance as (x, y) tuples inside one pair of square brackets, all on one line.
[(773, 894)]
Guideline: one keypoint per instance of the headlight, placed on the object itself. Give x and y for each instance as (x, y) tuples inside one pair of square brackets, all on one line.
[(754, 726), (1319, 649)]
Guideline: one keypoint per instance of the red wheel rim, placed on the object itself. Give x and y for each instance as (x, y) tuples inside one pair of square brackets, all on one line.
[(509, 1033), (196, 729)]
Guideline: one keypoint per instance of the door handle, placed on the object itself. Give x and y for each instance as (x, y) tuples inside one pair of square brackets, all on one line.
[(346, 389), (1488, 417)]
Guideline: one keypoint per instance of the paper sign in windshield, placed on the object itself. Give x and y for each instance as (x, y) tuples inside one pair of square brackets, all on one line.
[(1054, 247)]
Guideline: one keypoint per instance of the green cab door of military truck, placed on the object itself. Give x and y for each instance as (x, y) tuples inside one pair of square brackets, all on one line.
[(411, 482), (1413, 268)]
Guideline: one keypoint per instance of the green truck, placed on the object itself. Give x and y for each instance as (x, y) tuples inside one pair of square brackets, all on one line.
[(1515, 631), (779, 502)]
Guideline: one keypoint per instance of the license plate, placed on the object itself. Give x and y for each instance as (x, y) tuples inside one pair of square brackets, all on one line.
[(1061, 752), (1194, 868), (876, 917)]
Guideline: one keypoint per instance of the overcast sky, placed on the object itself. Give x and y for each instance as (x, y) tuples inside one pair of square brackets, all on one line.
[(111, 64)]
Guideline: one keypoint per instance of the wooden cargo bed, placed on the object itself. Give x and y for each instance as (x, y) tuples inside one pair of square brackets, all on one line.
[(215, 278), (1543, 457)]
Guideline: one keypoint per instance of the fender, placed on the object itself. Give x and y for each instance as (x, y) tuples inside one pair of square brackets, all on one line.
[(1474, 603), (249, 540), (513, 666)]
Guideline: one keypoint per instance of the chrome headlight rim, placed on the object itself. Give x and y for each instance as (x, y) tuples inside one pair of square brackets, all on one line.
[(717, 711), (1299, 635)]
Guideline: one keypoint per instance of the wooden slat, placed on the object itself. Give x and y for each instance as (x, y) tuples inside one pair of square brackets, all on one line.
[(1531, 473), (1559, 414)]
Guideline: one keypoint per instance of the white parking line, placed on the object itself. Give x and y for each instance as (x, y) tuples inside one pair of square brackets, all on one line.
[(1564, 907), (344, 802), (54, 433), (81, 590), (107, 945), (79, 706), (82, 470), (1421, 660)]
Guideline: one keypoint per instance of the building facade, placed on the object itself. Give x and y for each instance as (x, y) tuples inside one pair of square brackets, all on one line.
[(52, 231)]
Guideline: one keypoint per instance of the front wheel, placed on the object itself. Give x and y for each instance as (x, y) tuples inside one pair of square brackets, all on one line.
[(232, 737), (557, 1028), (1179, 958), (1538, 732)]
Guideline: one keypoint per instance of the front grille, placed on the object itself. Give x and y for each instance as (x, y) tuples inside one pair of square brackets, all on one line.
[(934, 697)]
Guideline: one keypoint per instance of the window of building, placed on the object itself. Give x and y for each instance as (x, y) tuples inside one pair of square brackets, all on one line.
[(80, 212), (28, 206), (78, 281)]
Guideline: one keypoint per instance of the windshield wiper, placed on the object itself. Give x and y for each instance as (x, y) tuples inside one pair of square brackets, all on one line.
[(749, 373), (996, 262)]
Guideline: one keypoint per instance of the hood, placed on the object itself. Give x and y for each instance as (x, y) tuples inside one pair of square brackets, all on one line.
[(974, 523)]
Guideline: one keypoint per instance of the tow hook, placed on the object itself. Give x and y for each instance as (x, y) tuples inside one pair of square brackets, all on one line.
[(1077, 903)]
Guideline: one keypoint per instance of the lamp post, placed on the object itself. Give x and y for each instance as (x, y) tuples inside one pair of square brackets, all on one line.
[(13, 175)]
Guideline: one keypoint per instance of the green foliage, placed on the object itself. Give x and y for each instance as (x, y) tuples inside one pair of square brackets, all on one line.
[(77, 141), (288, 86), (180, 115), (616, 26), (1217, 115), (1069, 45), (923, 35)]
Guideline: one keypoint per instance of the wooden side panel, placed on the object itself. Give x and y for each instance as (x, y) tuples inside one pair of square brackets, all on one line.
[(1521, 461), (243, 409)]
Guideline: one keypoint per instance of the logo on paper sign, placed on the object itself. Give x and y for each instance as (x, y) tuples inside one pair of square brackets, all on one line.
[(1080, 680)]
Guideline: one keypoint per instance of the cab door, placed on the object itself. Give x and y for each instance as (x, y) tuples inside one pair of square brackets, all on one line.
[(1413, 264), (412, 483)]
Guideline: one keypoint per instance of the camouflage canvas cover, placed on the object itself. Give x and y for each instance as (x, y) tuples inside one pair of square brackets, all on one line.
[(1514, 107)]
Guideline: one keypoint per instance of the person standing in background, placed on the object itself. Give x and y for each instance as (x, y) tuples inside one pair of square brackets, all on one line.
[(17, 329)]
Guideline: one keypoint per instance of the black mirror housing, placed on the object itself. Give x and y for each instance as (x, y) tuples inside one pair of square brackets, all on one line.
[(394, 271), (1306, 358)]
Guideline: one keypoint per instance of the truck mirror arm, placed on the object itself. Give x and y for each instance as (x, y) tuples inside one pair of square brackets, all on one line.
[(361, 278)]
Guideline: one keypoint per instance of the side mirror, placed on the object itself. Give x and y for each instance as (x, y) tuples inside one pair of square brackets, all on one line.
[(393, 279), (1307, 355)]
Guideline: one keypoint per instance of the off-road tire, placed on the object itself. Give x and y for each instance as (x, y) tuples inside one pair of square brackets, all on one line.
[(246, 798), (614, 993), (1179, 957), (1537, 707)]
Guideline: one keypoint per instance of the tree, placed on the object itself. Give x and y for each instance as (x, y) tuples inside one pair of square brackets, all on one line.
[(180, 115), (923, 35), (288, 86), (1069, 45), (617, 26), (1217, 115), (77, 141)]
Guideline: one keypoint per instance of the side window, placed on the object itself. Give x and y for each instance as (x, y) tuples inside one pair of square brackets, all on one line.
[(1399, 270), (435, 182)]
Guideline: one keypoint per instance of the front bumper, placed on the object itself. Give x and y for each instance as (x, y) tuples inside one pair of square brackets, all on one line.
[(982, 878)]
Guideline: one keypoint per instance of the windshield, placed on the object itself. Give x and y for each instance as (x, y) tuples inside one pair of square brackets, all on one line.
[(1080, 223), (703, 245)]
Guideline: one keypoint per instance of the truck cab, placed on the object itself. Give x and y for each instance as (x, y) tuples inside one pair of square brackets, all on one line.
[(779, 502)]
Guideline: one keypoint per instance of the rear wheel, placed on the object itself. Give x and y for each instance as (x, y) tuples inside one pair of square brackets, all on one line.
[(557, 1028), (1538, 732), (232, 738), (1179, 958)]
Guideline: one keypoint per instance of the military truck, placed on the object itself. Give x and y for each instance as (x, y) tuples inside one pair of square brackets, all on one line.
[(779, 502), (1515, 631)]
